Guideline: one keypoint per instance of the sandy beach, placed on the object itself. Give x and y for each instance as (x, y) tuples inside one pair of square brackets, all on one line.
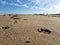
[(23, 30)]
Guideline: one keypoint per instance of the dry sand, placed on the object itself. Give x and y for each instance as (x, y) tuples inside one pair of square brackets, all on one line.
[(22, 30)]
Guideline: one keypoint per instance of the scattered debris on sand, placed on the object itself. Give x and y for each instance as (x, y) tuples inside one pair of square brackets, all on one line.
[(5, 27), (15, 18), (15, 22), (14, 15), (44, 30), (4, 15), (24, 19), (27, 42), (9, 15)]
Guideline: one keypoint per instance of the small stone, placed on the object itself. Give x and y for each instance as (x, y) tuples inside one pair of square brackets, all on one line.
[(15, 22), (24, 19), (27, 42), (5, 27), (15, 18), (44, 30)]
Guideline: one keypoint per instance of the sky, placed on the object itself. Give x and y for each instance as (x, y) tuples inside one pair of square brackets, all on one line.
[(29, 6)]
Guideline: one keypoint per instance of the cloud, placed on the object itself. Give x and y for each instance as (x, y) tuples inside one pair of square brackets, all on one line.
[(18, 5), (25, 5), (56, 6), (15, 4), (37, 1), (44, 5), (3, 2), (51, 6), (19, 1)]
